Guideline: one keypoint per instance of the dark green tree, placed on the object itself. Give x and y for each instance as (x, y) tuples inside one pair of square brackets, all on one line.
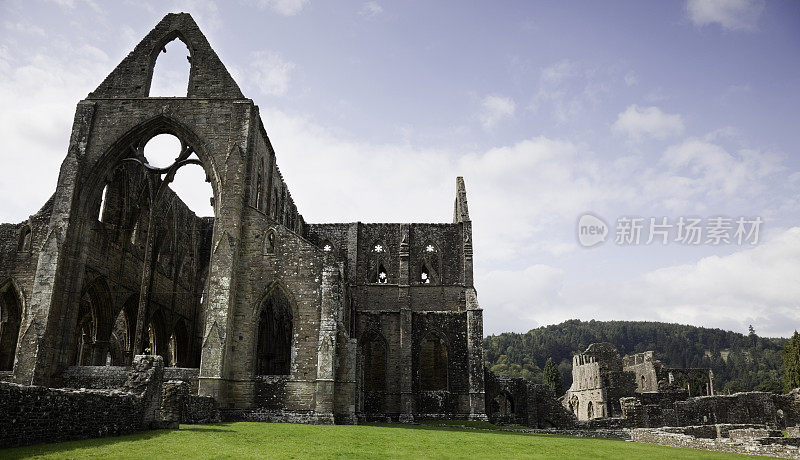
[(552, 376), (791, 363)]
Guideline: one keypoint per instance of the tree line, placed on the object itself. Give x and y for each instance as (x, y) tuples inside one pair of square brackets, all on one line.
[(740, 362)]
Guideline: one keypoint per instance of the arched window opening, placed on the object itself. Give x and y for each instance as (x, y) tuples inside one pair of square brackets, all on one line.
[(94, 325), (103, 196), (375, 365), (155, 340), (108, 358), (273, 205), (589, 411), (172, 352), (85, 339), (424, 275), (190, 183), (274, 345), (430, 264), (179, 346), (503, 404), (383, 277), (643, 384), (171, 71), (24, 239), (374, 374), (260, 186), (433, 364), (269, 242), (120, 343), (10, 319)]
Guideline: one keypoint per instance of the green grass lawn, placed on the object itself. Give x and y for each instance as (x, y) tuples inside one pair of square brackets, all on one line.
[(280, 440)]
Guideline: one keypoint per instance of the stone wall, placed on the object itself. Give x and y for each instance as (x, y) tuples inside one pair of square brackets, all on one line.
[(753, 407), (515, 401), (32, 414), (740, 442), (97, 377)]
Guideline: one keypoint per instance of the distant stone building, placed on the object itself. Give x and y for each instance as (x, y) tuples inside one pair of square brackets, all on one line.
[(274, 317), (600, 378), (653, 376), (598, 382)]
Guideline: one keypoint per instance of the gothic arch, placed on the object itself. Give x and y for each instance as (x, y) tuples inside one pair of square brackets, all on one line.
[(379, 257), (121, 341), (94, 323), (25, 241), (328, 247), (270, 241), (11, 310), (155, 335), (374, 355), (430, 264), (433, 362), (179, 344), (137, 137), (274, 334)]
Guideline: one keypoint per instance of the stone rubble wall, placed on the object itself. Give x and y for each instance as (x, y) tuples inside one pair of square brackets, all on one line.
[(32, 414), (738, 443), (95, 377), (35, 414)]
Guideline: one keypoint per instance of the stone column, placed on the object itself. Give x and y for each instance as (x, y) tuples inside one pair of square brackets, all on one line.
[(221, 296), (407, 400), (330, 308), (477, 396), (41, 334)]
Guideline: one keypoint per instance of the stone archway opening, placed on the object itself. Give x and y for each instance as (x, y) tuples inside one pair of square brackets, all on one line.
[(10, 319), (274, 344)]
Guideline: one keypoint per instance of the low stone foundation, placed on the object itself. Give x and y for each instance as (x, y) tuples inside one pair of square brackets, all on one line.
[(97, 377), (32, 415), (739, 442), (275, 416)]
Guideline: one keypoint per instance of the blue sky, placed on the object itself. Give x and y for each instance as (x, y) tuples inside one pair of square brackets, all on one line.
[(548, 109)]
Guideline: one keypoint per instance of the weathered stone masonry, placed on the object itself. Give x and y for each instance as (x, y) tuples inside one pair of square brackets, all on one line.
[(272, 317)]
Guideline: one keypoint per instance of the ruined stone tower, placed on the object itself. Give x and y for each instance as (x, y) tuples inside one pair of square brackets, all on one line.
[(276, 318)]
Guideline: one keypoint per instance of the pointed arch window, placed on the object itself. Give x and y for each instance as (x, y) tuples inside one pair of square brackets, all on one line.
[(10, 319), (270, 242), (274, 340), (102, 211), (430, 262), (25, 237), (379, 258), (171, 69), (433, 363), (328, 247), (260, 185)]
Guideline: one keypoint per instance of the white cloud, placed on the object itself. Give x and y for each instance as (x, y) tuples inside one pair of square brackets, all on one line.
[(640, 122), (709, 170), (495, 108), (569, 88), (631, 79), (370, 9), (284, 7), (270, 73), (730, 14), (752, 286)]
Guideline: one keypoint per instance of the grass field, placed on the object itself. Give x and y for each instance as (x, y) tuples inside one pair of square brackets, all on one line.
[(279, 440)]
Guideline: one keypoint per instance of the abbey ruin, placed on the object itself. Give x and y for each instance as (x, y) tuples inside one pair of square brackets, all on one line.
[(271, 316), (122, 310)]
